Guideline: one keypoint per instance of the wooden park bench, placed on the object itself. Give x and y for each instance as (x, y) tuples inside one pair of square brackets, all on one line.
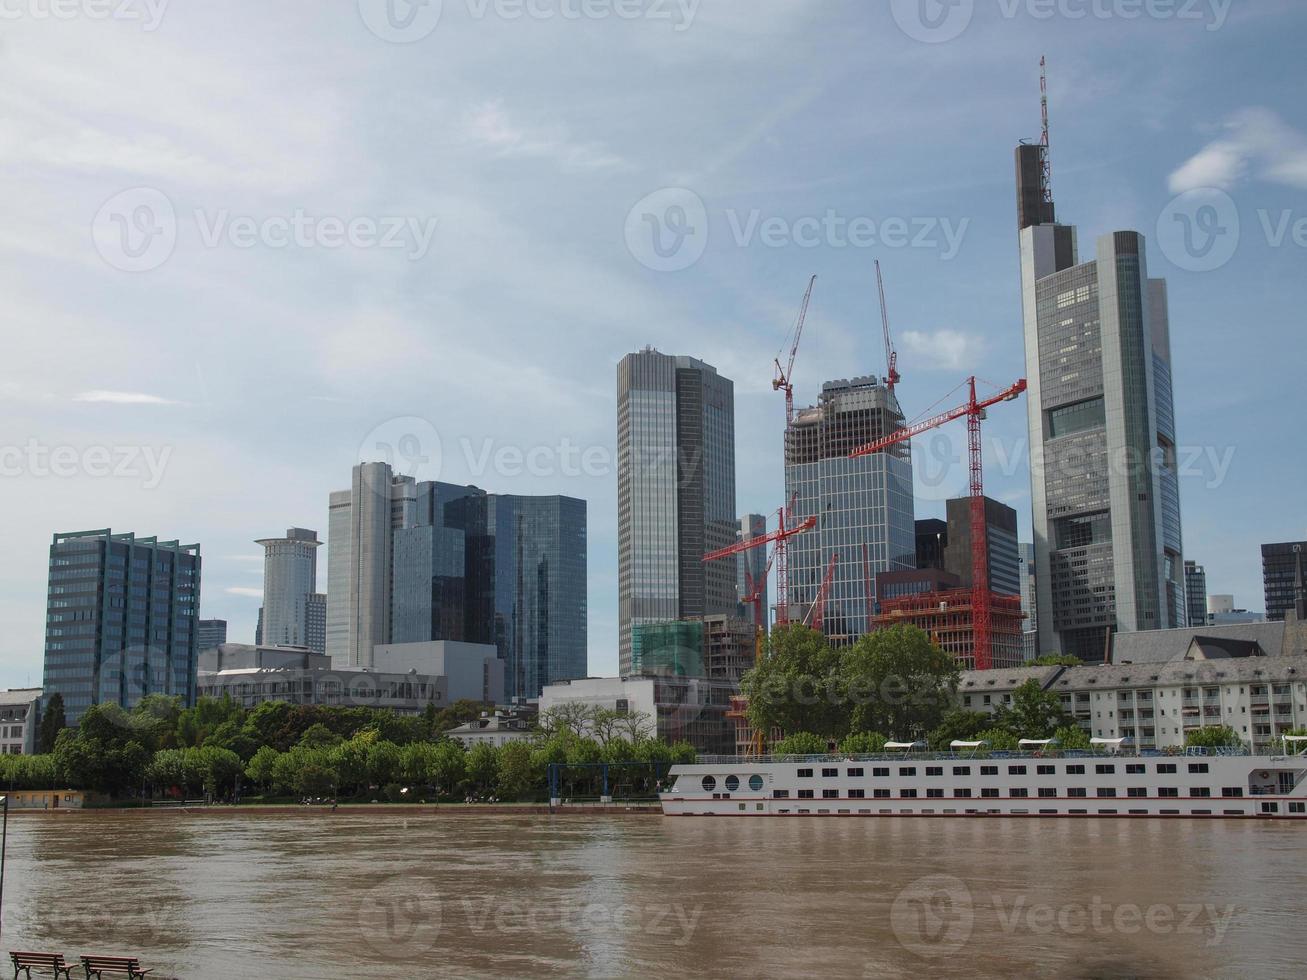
[(54, 962), (96, 966)]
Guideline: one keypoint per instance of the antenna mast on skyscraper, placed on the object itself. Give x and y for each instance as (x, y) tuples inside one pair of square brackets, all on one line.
[(1046, 163)]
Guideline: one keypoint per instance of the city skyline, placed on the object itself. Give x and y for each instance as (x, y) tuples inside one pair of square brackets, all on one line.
[(364, 337)]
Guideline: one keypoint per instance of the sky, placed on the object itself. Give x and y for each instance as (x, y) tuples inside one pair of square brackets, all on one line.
[(245, 245)]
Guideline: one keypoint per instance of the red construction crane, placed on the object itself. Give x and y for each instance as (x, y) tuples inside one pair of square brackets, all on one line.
[(780, 536), (756, 588), (974, 410), (784, 380), (817, 614), (891, 355)]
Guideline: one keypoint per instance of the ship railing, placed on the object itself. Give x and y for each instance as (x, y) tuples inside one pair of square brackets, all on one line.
[(968, 755)]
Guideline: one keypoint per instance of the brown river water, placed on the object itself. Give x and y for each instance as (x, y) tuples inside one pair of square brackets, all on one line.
[(382, 895)]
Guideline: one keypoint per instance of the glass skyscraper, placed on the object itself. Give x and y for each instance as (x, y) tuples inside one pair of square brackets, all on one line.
[(122, 620), (863, 502), (290, 577), (1104, 488), (675, 491)]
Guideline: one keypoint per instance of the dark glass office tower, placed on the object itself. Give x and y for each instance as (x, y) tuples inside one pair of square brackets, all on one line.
[(121, 620), (1284, 568), (675, 492)]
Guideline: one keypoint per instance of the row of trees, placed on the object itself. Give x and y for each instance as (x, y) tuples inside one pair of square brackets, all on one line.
[(220, 750)]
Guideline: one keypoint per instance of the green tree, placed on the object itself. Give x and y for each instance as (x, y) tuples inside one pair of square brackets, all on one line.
[(416, 763), (1035, 713), (53, 721), (958, 724), (1057, 660), (800, 743), (482, 766), (384, 761), (221, 768), (261, 766), (319, 736), (685, 754), (1213, 737), (1071, 738), (998, 738), (516, 775), (863, 743), (899, 682), (797, 686), (449, 766)]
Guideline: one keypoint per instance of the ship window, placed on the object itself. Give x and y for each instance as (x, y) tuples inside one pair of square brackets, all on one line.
[(829, 773), (805, 773), (780, 794), (907, 770), (1077, 791), (857, 794), (1267, 808), (962, 793), (805, 794), (989, 770), (1136, 768), (830, 794), (988, 792), (855, 772), (1048, 791), (1046, 770), (962, 770), (934, 770), (732, 783), (1076, 770), (755, 782), (880, 794), (1198, 767), (1105, 769), (1200, 791), (1016, 770), (1168, 791), (1018, 792), (1232, 791), (1165, 767), (935, 794), (880, 771), (709, 784), (1137, 791), (1298, 807), (907, 794), (1106, 791)]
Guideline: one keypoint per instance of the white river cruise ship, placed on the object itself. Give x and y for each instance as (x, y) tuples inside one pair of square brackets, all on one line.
[(1108, 780)]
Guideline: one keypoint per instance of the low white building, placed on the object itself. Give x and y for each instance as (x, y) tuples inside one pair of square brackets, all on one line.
[(683, 709), (18, 720), (495, 730)]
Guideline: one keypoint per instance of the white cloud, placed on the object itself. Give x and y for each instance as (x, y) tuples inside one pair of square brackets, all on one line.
[(1258, 143), (243, 591), (122, 398), (488, 125), (942, 348)]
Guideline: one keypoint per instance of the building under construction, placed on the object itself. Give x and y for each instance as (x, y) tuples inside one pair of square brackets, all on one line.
[(947, 617), (863, 506)]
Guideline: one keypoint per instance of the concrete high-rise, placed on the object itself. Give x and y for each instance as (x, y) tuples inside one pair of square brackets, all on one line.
[(122, 620), (1284, 569), (675, 491), (359, 547), (863, 502), (290, 577), (1195, 591), (1029, 600), (1104, 488), (754, 563), (212, 632)]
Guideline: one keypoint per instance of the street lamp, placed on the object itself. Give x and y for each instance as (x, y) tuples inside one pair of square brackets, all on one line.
[(4, 839)]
